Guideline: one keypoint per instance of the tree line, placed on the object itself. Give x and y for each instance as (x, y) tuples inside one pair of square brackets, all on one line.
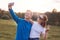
[(53, 17)]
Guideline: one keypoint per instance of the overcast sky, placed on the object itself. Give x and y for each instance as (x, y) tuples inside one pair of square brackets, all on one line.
[(34, 5)]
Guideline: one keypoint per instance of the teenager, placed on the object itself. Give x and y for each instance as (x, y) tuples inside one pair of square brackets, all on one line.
[(23, 25), (38, 28)]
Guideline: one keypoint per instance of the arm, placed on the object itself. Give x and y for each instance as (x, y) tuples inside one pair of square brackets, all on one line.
[(31, 21), (44, 34), (14, 16)]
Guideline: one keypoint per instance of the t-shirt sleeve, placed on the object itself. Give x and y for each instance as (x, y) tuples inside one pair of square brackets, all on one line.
[(43, 30)]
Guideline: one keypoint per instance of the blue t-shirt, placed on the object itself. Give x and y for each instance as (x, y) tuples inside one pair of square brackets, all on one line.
[(23, 27)]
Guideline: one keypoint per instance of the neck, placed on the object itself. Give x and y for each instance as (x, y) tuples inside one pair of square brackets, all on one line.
[(27, 19), (30, 20)]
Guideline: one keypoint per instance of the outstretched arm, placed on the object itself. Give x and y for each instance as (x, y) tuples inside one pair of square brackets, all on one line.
[(14, 16)]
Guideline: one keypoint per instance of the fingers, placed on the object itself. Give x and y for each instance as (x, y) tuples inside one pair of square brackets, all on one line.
[(10, 5)]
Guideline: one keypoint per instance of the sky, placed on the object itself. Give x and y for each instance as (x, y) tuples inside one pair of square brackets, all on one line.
[(33, 5)]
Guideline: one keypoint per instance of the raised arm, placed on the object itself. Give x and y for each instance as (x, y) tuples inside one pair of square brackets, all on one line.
[(14, 16)]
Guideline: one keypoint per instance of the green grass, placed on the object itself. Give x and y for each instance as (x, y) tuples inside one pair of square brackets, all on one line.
[(8, 31)]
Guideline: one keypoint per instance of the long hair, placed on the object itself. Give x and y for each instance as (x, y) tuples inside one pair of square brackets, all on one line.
[(45, 19)]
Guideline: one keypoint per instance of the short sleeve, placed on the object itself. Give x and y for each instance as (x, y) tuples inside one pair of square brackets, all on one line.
[(43, 30)]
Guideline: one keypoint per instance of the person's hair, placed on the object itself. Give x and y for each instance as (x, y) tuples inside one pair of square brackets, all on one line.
[(43, 24), (29, 11), (45, 19)]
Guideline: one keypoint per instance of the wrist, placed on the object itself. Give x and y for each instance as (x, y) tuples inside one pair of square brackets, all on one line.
[(9, 7)]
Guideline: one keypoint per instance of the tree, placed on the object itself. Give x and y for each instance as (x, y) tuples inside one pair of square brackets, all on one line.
[(54, 10)]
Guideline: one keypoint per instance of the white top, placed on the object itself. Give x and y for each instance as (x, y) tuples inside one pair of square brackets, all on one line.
[(36, 30)]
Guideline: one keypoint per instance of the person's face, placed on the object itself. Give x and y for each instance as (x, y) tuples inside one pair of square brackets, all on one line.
[(39, 20), (28, 14)]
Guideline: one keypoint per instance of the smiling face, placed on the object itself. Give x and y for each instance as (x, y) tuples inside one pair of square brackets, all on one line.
[(42, 19), (39, 20), (28, 14)]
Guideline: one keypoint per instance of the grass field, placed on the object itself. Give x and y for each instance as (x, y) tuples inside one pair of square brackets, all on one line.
[(8, 31)]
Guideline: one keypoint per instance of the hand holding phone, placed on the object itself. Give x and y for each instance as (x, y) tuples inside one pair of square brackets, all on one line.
[(10, 5)]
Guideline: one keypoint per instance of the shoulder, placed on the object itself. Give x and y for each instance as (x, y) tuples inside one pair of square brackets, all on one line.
[(34, 22), (45, 29), (21, 20)]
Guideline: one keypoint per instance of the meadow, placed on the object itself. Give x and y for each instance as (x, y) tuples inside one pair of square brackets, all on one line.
[(8, 31)]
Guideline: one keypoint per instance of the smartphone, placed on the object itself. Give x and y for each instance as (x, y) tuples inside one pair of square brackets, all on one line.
[(11, 3)]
